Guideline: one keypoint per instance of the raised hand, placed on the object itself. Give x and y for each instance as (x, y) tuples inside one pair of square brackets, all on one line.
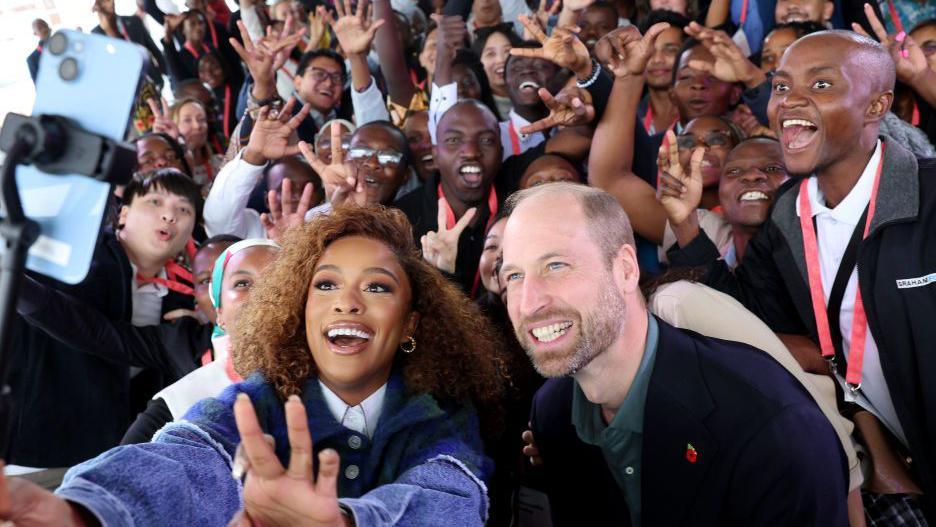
[(169, 27), (317, 28), (543, 13), (730, 63), (265, 57), (269, 138), (907, 54), (338, 178), (355, 31), (679, 193), (570, 107), (282, 215), (274, 495), (162, 123), (25, 504), (450, 35), (563, 48), (440, 248), (627, 52)]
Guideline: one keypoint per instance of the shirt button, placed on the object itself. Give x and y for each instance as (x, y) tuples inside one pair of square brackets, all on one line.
[(354, 442), (352, 471), (629, 471)]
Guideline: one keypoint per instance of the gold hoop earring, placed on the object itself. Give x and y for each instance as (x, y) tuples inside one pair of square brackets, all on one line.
[(411, 343)]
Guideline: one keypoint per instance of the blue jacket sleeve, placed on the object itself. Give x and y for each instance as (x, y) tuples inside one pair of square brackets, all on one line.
[(756, 99), (183, 477)]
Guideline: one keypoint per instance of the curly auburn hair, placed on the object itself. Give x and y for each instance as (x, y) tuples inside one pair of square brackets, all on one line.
[(459, 352)]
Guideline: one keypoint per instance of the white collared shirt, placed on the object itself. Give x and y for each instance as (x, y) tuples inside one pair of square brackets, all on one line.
[(834, 229), (525, 141), (147, 299), (361, 418)]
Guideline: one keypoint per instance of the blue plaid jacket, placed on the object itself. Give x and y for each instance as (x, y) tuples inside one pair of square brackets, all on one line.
[(424, 465)]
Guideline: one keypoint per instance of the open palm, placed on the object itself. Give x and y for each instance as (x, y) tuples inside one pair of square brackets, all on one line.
[(679, 193), (354, 31)]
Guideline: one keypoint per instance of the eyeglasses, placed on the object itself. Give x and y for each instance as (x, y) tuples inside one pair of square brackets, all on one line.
[(712, 140), (384, 157), (321, 75)]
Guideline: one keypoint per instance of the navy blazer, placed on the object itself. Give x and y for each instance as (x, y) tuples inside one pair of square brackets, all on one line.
[(765, 453)]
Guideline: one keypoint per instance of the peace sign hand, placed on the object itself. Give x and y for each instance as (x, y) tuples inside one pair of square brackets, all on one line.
[(730, 63), (161, 122), (274, 495), (282, 216), (440, 248), (562, 48), (627, 52), (907, 54), (269, 138), (571, 107), (355, 30), (339, 178), (679, 193)]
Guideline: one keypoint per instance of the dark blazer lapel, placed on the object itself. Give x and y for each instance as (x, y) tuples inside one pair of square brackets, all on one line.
[(677, 447)]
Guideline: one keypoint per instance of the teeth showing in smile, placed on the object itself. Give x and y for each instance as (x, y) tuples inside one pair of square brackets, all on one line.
[(369, 180), (426, 158), (470, 170), (347, 332), (754, 195), (798, 122), (551, 332), (529, 84)]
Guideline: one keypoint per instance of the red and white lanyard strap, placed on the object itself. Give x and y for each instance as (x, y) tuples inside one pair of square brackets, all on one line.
[(450, 223), (859, 330), (648, 119), (173, 272), (191, 49), (744, 11), (123, 29), (514, 139), (895, 16), (226, 119)]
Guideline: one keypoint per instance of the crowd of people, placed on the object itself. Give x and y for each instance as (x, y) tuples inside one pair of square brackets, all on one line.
[(494, 262)]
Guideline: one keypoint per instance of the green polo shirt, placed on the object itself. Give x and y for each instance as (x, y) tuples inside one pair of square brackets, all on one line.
[(622, 440)]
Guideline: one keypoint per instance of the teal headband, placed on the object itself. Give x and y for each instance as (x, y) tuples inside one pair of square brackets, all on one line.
[(217, 274)]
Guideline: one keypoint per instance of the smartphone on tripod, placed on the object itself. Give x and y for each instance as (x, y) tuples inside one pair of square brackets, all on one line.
[(93, 81)]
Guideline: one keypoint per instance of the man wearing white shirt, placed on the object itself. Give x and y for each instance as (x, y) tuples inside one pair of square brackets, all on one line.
[(799, 275)]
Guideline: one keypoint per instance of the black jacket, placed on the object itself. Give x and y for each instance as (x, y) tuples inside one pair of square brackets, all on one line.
[(69, 406), (772, 282), (138, 34), (766, 455), (32, 61)]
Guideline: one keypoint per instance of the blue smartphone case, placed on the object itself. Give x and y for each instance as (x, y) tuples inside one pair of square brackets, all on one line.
[(70, 208)]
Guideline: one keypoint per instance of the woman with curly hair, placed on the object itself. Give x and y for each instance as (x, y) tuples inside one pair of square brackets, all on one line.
[(378, 358)]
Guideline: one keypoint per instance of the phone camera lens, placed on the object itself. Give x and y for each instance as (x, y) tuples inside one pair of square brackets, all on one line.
[(68, 69), (58, 43)]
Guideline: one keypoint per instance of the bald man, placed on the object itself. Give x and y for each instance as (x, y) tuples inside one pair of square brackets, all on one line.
[(859, 213), (641, 423)]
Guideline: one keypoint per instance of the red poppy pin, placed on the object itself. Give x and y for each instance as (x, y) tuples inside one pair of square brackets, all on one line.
[(692, 455)]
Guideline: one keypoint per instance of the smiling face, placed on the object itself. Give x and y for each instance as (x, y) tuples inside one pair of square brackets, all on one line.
[(753, 172), (156, 226), (382, 176), (416, 129), (775, 44), (193, 29), (660, 67), (240, 274), (210, 71), (487, 265), (357, 314), (494, 58), (525, 76), (321, 84), (427, 56), (596, 22), (469, 151), (193, 125), (697, 93), (714, 135), (155, 152), (562, 297), (823, 101), (486, 12), (803, 10)]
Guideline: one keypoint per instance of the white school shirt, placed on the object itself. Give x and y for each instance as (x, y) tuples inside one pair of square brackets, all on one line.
[(361, 418), (834, 229)]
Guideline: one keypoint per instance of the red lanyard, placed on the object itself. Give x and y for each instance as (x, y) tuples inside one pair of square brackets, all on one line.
[(648, 119), (39, 48), (214, 33), (514, 139), (123, 29), (744, 6), (860, 319), (173, 272), (415, 80), (191, 49), (227, 111), (915, 118), (895, 16), (450, 223)]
